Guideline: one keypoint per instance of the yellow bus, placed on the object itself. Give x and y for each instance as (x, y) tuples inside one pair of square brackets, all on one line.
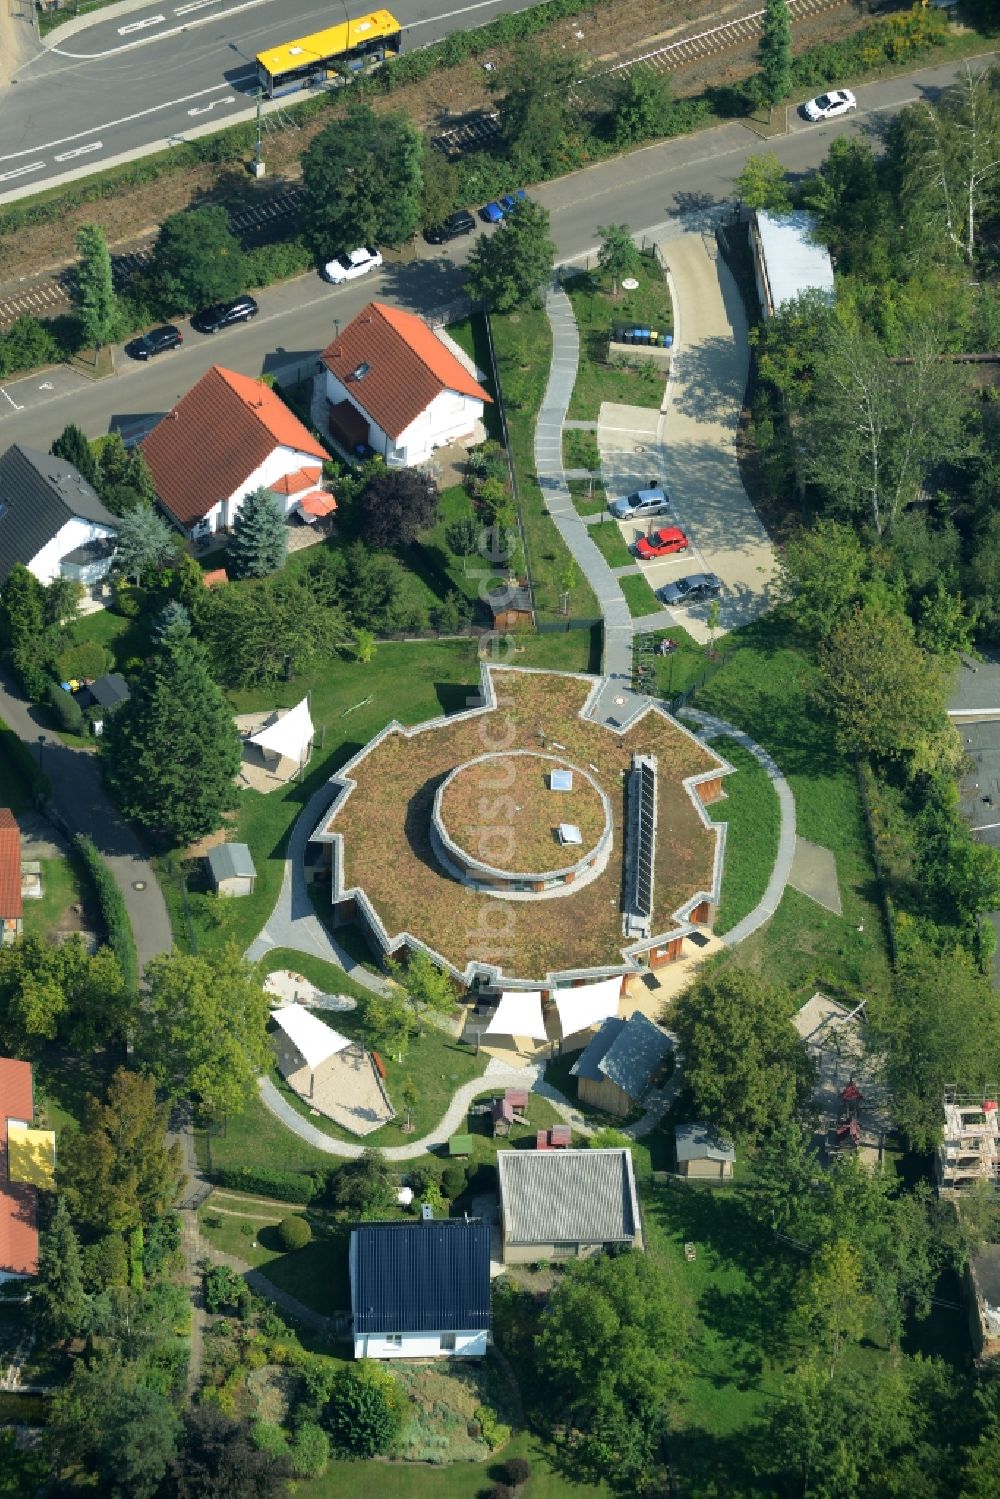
[(340, 49)]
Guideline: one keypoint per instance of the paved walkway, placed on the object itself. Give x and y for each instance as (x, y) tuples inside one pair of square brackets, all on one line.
[(293, 922), (712, 728), (555, 491), (78, 803)]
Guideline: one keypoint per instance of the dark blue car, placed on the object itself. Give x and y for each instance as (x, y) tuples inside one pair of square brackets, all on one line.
[(494, 212)]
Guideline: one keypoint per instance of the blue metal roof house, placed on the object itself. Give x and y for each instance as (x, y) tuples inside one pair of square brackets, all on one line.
[(420, 1290)]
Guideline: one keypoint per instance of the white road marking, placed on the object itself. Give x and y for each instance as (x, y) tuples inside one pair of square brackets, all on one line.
[(46, 385), (80, 151), (141, 25), (205, 109), (464, 11), (144, 41), (185, 10), (34, 166), (13, 402), (113, 124)]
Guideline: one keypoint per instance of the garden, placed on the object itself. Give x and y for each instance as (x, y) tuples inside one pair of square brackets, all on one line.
[(600, 301)]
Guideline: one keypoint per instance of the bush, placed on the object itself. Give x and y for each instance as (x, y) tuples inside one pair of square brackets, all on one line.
[(287, 1186), (65, 710), (294, 1233), (453, 1180), (116, 920), (310, 1451), (223, 1287), (85, 661), (365, 1412), (517, 1470), (267, 1436), (269, 263), (498, 1491), (495, 1433), (104, 1263)]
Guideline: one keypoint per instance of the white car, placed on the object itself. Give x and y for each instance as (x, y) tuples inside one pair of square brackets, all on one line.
[(839, 101), (349, 267)]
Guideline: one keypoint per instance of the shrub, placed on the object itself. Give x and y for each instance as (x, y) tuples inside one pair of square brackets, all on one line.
[(116, 919), (365, 1412), (517, 1470), (288, 1186), (453, 1180), (223, 1287), (269, 263), (294, 1233), (498, 1491), (65, 709), (267, 1436), (495, 1433)]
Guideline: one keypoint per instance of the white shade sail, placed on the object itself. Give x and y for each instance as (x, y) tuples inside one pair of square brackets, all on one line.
[(291, 736), (519, 1013), (588, 1005), (308, 1035)]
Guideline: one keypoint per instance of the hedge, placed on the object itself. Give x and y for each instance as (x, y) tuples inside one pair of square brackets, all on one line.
[(287, 1186), (119, 929), (66, 710)]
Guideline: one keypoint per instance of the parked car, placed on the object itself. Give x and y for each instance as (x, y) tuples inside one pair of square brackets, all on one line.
[(453, 227), (662, 543), (494, 212), (651, 500), (688, 590), (349, 266), (224, 314), (839, 101), (154, 342)]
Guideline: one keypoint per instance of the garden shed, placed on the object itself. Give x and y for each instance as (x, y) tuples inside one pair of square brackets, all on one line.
[(231, 869)]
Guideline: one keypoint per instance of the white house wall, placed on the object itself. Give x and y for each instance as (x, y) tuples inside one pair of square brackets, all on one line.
[(420, 1345), (279, 463), (449, 415), (75, 533)]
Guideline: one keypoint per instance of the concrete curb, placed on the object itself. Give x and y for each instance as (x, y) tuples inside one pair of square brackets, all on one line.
[(714, 728)]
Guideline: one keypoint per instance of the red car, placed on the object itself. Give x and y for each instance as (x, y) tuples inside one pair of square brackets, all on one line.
[(662, 543)]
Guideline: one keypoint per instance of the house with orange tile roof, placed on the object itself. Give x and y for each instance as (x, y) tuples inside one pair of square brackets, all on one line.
[(229, 436), (11, 908), (27, 1163), (394, 386)]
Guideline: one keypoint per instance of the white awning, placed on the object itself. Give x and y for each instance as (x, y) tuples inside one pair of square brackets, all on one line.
[(308, 1035), (519, 1013), (587, 1005), (291, 736)]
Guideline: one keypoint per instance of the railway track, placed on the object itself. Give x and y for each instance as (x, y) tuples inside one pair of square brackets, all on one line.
[(45, 296), (722, 38)]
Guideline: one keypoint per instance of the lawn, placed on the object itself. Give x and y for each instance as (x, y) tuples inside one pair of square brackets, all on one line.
[(596, 309), (558, 650), (752, 812), (589, 497), (684, 668), (316, 1274), (256, 1138), (62, 886), (523, 343), (444, 569), (580, 450), (639, 596), (767, 687), (613, 548)]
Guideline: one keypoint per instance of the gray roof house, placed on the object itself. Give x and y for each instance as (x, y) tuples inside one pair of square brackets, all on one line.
[(51, 519), (615, 1070), (703, 1151), (565, 1203), (231, 869), (787, 259)]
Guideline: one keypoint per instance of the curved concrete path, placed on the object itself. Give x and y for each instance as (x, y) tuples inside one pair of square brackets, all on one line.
[(713, 728), (555, 491), (293, 922)]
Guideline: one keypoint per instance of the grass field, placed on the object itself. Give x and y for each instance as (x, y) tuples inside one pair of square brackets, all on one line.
[(588, 498), (580, 450), (62, 886), (639, 596), (316, 1274), (611, 544), (752, 812), (767, 687), (596, 309), (256, 1137)]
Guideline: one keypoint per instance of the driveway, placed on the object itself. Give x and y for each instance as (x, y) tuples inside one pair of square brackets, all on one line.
[(79, 804), (704, 400)]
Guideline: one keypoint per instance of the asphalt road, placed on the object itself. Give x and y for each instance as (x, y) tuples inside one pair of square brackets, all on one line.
[(656, 190), (155, 74)]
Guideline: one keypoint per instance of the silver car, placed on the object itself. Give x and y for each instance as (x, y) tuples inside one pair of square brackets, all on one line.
[(649, 501)]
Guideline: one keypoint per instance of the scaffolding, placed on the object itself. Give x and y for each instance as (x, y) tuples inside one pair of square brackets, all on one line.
[(969, 1151)]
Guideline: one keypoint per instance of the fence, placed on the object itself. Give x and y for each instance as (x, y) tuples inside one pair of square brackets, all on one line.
[(505, 438), (560, 626)]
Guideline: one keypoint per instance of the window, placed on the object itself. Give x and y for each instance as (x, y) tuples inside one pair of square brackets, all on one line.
[(394, 1339), (447, 1342)]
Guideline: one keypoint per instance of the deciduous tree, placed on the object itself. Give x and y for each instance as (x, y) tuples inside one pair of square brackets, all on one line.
[(535, 105), (259, 543), (774, 52), (643, 107), (363, 183), (510, 268), (825, 567), (617, 255), (396, 505), (439, 185), (97, 303), (268, 630), (831, 1303), (762, 183), (203, 1028), (365, 1412), (745, 1067), (197, 260), (217, 1460)]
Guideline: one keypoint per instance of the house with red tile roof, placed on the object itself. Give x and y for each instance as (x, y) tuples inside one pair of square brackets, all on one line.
[(394, 386), (18, 1186), (229, 436), (11, 909)]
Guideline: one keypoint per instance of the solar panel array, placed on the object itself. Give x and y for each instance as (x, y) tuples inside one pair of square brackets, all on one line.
[(645, 829)]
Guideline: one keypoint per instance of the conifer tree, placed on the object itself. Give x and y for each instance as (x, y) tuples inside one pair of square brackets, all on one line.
[(72, 446), (260, 539), (775, 52), (95, 288), (58, 1300)]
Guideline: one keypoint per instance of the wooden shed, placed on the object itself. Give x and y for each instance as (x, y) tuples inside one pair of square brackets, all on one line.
[(702, 1151), (231, 869), (620, 1063)]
